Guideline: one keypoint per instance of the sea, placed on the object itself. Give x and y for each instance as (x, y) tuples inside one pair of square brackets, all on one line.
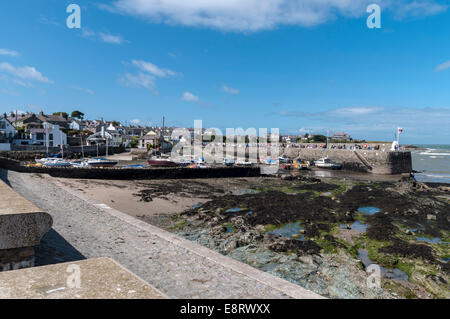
[(433, 163)]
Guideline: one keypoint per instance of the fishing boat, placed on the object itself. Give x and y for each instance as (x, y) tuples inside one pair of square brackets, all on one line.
[(161, 162), (101, 162), (325, 162)]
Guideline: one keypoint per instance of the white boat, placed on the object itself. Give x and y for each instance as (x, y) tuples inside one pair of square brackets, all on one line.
[(101, 162), (228, 161), (46, 159), (325, 162), (244, 163), (56, 162), (80, 163)]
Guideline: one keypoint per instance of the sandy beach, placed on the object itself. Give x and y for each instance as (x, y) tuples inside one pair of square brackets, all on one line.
[(158, 197)]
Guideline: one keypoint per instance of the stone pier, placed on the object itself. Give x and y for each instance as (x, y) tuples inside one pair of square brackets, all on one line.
[(22, 226)]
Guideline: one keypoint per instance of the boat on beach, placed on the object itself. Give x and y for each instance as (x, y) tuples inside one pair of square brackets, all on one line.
[(301, 164), (325, 162), (56, 162), (161, 162), (101, 162)]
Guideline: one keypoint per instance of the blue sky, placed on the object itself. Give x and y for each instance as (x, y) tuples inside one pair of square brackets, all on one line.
[(301, 66)]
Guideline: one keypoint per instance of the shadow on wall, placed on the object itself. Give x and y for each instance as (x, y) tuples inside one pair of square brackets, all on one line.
[(4, 176), (54, 249)]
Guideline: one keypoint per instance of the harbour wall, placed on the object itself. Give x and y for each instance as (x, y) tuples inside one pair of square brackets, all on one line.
[(368, 161), (132, 173)]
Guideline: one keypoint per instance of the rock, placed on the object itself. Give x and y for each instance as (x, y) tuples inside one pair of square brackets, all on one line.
[(306, 259), (260, 228), (287, 177), (431, 217)]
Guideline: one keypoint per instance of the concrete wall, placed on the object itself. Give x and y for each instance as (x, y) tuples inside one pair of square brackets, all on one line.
[(370, 161)]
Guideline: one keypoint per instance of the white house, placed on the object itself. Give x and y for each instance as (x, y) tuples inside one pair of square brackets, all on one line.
[(7, 131), (76, 125), (113, 137), (49, 135)]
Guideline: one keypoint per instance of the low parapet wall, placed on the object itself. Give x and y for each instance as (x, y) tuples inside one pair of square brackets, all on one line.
[(370, 161), (22, 226)]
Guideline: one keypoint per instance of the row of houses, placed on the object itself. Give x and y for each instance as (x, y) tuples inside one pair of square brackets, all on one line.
[(56, 130), (337, 136)]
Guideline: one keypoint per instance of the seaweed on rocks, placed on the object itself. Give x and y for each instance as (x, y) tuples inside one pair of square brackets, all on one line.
[(408, 250), (307, 247), (381, 227)]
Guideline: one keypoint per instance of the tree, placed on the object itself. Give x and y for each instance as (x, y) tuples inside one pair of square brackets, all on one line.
[(77, 115), (63, 114), (320, 138)]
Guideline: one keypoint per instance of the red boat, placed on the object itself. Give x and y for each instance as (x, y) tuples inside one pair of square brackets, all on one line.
[(160, 162)]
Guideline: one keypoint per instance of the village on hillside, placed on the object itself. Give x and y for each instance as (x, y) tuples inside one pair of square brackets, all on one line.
[(30, 131)]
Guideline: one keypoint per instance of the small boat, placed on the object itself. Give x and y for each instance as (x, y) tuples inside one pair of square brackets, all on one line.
[(101, 162), (325, 162), (161, 162), (284, 159), (56, 162), (228, 161), (244, 163), (82, 163), (185, 163), (35, 165), (301, 164)]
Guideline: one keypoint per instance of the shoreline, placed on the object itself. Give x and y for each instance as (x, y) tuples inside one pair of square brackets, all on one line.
[(200, 222)]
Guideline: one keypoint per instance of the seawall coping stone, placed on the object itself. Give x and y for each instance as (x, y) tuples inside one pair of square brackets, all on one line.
[(22, 224), (99, 278)]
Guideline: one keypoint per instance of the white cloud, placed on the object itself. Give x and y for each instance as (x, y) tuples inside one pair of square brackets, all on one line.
[(153, 69), (418, 8), (255, 15), (110, 38), (355, 111), (88, 91), (189, 97), (8, 52), (230, 90), (140, 80), (148, 72), (101, 36), (25, 72), (443, 66)]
